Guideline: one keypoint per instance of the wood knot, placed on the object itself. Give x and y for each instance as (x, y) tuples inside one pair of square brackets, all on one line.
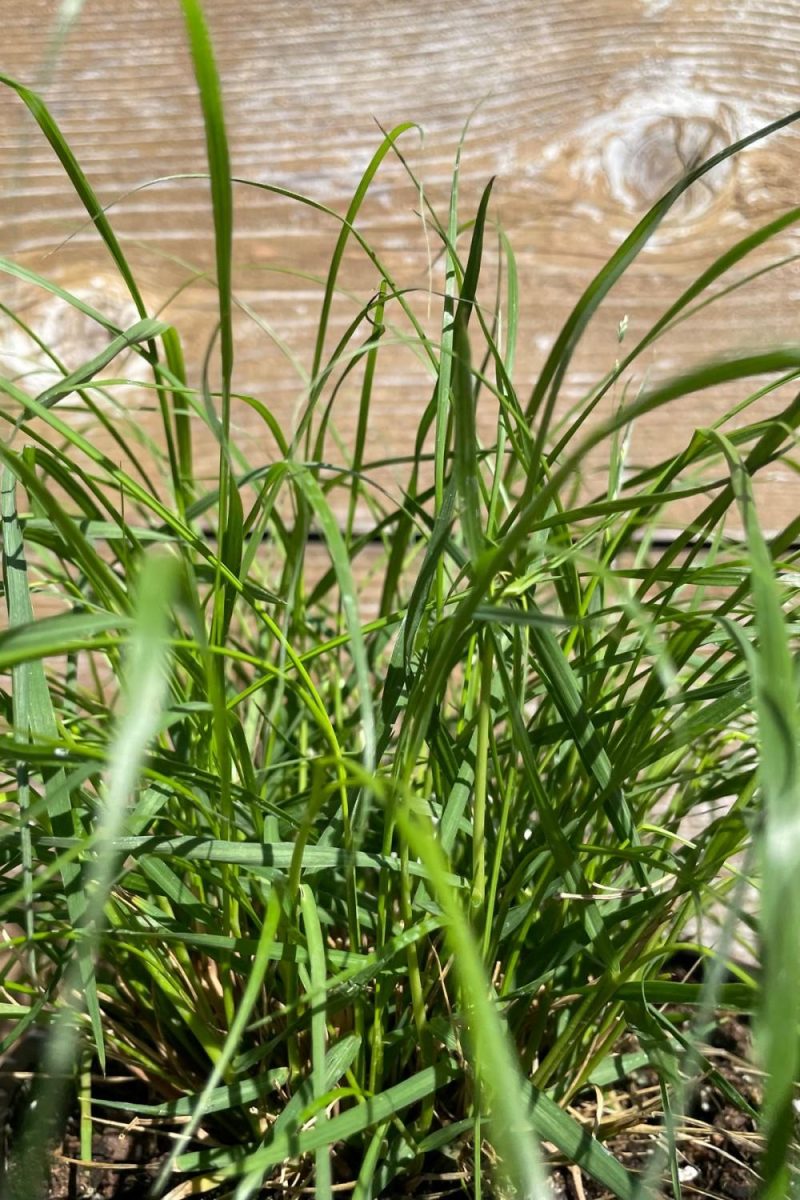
[(652, 154), (648, 160), (618, 162)]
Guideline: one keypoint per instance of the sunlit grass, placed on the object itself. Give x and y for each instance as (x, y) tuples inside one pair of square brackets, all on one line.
[(357, 891)]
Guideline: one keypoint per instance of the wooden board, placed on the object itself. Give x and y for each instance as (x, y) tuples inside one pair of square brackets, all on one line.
[(586, 112)]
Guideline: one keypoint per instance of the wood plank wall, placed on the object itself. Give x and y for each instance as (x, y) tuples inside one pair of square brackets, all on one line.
[(587, 111)]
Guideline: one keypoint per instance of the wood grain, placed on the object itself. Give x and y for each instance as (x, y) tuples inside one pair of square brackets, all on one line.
[(586, 112)]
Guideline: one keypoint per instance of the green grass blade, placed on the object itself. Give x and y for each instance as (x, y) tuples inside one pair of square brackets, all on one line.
[(255, 982), (146, 680), (499, 1081), (142, 331), (466, 462), (493, 562), (257, 854), (469, 288), (289, 1145), (319, 1034), (778, 709), (547, 386), (33, 707), (86, 194), (220, 171), (311, 489), (344, 235), (729, 258)]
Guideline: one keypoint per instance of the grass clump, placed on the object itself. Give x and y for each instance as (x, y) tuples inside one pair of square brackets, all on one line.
[(382, 895)]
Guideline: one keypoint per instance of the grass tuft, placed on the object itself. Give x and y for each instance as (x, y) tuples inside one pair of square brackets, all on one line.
[(391, 891)]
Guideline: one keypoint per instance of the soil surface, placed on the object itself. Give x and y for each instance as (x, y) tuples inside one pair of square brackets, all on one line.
[(718, 1145), (717, 1140), (125, 1155)]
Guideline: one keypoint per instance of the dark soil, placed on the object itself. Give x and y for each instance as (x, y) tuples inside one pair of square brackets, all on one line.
[(718, 1148), (125, 1155), (717, 1142), (125, 1166)]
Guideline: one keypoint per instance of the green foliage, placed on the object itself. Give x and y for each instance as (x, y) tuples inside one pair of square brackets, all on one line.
[(359, 889)]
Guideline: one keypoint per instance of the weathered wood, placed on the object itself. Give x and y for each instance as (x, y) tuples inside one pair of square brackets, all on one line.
[(588, 112)]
